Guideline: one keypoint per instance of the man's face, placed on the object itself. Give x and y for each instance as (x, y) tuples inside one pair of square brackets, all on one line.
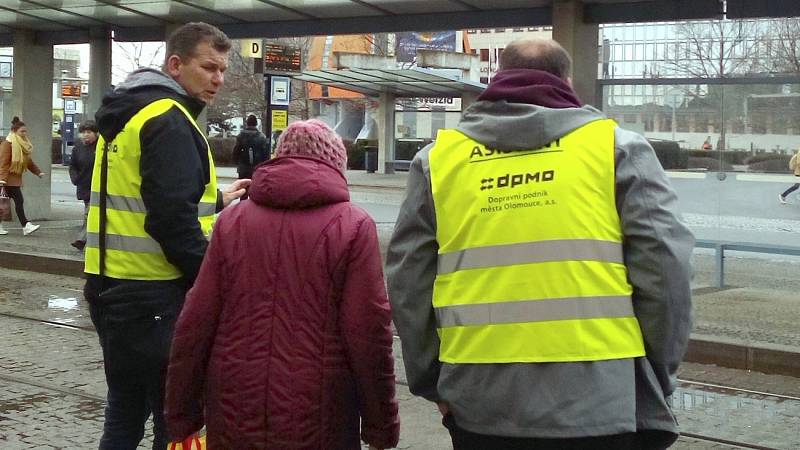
[(202, 74), (88, 136)]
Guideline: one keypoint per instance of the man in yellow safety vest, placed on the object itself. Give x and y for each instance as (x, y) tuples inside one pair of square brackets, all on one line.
[(538, 272), (153, 201)]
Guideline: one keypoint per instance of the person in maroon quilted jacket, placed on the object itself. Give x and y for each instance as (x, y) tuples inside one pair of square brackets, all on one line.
[(284, 341)]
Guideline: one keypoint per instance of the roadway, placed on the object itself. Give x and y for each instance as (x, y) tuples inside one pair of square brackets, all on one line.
[(744, 207)]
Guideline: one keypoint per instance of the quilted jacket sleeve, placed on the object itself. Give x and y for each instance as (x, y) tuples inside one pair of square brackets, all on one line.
[(191, 346), (365, 319)]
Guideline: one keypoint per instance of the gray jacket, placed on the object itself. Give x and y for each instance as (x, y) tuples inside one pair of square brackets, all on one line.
[(553, 400)]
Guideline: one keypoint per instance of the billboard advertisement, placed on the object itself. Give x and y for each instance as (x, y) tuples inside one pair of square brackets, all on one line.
[(408, 43)]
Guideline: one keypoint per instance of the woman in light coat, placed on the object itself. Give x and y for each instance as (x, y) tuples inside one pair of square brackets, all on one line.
[(16, 156)]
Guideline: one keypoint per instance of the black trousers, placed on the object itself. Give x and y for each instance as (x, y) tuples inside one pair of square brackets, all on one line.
[(15, 193), (467, 440), (791, 189), (134, 321)]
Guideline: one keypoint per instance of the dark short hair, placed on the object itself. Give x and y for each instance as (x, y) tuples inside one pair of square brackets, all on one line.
[(88, 125), (540, 54), (251, 121), (16, 124), (183, 41)]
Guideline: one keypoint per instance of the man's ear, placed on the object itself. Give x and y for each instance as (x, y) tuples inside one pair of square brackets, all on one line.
[(569, 82), (173, 65)]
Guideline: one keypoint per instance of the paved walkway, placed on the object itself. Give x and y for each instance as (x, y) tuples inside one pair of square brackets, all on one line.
[(761, 308), (51, 381), (52, 386)]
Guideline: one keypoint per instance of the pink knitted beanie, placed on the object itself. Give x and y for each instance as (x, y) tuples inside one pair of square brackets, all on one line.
[(314, 139)]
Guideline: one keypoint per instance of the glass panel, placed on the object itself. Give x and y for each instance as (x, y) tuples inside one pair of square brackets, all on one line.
[(726, 150)]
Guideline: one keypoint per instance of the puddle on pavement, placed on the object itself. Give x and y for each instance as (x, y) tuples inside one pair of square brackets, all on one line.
[(723, 401), (62, 304)]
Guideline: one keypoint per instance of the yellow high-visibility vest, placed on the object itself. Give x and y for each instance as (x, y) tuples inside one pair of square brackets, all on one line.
[(131, 253), (530, 263)]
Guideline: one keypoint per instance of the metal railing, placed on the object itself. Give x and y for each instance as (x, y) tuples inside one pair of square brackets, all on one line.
[(721, 246)]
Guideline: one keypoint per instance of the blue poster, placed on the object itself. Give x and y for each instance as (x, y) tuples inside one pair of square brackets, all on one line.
[(408, 43)]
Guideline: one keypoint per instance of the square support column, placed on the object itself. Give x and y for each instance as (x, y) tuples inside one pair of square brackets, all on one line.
[(581, 42), (386, 127), (99, 69), (33, 103)]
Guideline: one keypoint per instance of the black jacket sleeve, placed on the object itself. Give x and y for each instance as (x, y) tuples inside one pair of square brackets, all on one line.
[(174, 169), (74, 170)]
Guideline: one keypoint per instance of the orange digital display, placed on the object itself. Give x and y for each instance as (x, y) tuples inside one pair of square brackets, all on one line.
[(281, 58), (70, 89)]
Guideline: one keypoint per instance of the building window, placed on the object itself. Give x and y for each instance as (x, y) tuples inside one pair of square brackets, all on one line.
[(547, 28), (484, 54), (499, 30), (485, 80), (472, 31), (485, 30), (519, 30)]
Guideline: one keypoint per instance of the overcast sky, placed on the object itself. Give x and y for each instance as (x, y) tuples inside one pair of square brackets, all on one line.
[(121, 64)]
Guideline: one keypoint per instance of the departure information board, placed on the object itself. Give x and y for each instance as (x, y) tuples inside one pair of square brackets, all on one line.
[(282, 58)]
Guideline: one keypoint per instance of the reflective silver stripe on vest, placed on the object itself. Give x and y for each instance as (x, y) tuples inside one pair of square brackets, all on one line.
[(535, 311), (206, 209), (531, 252), (120, 202), (125, 243), (132, 204)]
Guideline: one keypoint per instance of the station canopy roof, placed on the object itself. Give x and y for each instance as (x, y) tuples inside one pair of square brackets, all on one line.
[(414, 82), (73, 21)]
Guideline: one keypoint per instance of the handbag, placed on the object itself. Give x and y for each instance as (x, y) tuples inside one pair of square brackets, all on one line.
[(5, 205), (193, 442)]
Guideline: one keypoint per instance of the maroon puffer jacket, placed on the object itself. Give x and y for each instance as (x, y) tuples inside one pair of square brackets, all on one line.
[(286, 332)]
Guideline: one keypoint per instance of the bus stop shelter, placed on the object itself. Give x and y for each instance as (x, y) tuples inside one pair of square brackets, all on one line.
[(387, 85)]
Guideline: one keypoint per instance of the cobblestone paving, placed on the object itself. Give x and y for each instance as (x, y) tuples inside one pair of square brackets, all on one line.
[(52, 385)]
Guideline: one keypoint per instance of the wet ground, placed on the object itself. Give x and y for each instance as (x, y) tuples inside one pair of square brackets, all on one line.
[(52, 386)]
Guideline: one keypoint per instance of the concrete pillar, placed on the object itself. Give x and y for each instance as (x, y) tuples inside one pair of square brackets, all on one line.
[(581, 41), (99, 69), (33, 103), (386, 127)]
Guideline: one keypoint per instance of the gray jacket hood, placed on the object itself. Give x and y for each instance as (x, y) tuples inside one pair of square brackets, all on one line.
[(149, 77), (519, 126)]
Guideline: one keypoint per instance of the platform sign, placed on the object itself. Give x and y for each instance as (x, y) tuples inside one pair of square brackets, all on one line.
[(280, 119), (251, 48), (70, 89), (282, 58)]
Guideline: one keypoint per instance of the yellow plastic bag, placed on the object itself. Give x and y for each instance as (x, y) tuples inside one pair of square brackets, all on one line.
[(193, 442)]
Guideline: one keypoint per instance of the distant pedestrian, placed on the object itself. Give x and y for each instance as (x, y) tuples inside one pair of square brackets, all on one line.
[(795, 166), (285, 340), (16, 156), (707, 143), (251, 148), (80, 172), (539, 274)]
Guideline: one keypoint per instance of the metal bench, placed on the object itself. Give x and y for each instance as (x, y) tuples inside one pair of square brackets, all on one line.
[(720, 247)]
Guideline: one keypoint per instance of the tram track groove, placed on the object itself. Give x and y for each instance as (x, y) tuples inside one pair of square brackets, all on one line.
[(48, 322), (737, 444)]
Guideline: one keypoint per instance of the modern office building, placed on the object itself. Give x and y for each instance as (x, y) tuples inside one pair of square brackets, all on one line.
[(727, 85)]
